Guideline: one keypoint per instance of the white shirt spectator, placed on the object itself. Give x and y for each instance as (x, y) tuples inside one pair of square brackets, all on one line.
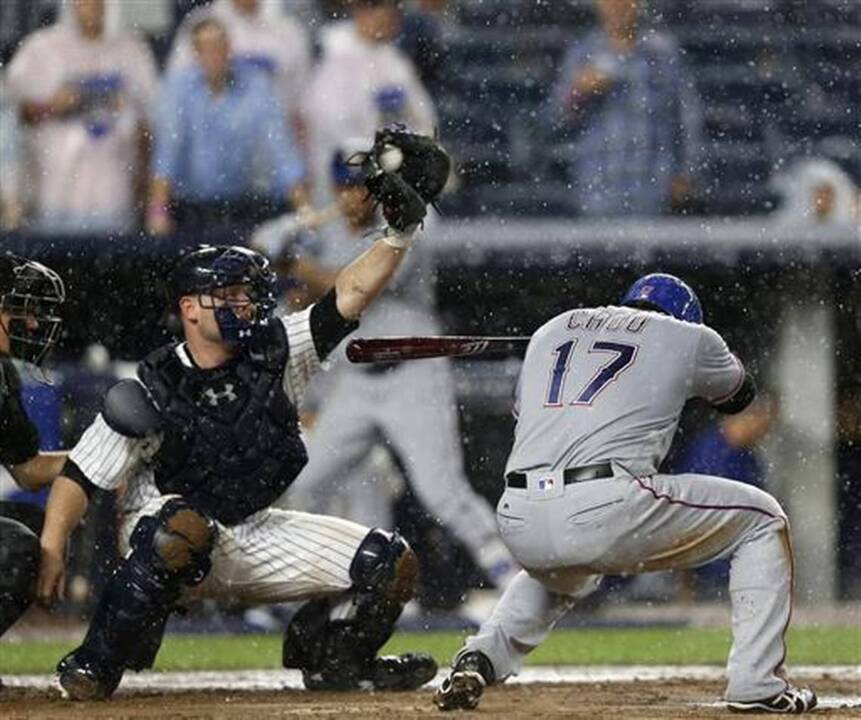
[(10, 208), (268, 38), (815, 191), (80, 168), (357, 87)]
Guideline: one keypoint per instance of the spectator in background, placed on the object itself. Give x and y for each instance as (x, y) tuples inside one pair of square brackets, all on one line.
[(728, 448), (11, 210), (216, 123), (261, 36), (816, 192), (633, 116), (83, 95), (421, 39), (361, 83)]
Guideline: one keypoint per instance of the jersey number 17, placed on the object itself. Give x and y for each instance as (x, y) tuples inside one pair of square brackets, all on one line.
[(623, 357)]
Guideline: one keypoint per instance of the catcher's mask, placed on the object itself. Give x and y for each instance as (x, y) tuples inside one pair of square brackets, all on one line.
[(667, 294), (30, 299), (210, 267)]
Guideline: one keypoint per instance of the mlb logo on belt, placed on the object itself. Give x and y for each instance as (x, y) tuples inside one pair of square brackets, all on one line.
[(545, 483)]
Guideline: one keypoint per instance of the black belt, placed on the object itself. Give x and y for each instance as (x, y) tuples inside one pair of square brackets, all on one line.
[(571, 475)]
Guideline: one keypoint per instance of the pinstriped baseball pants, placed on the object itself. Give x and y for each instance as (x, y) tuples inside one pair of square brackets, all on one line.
[(274, 555)]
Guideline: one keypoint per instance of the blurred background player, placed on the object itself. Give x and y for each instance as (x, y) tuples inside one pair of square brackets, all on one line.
[(409, 408), (628, 105), (84, 94), (361, 83), (30, 296), (219, 124)]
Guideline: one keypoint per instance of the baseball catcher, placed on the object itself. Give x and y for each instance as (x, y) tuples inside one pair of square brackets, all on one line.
[(205, 439)]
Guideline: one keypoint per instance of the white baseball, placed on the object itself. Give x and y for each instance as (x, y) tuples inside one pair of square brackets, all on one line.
[(391, 158)]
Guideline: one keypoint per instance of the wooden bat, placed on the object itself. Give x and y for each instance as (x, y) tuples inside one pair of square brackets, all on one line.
[(393, 349)]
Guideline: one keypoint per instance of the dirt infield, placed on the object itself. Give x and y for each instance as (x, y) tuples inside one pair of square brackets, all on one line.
[(636, 700)]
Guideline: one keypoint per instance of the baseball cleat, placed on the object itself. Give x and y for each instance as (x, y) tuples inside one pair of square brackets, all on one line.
[(402, 672), (462, 690), (791, 701), (388, 672), (81, 680)]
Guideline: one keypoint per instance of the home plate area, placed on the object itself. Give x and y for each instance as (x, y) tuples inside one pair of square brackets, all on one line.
[(637, 692)]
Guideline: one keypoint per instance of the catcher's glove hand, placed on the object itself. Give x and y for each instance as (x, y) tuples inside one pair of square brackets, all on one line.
[(405, 171)]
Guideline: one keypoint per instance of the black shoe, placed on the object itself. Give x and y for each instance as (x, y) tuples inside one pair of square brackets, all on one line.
[(389, 672), (85, 679), (791, 701), (462, 689), (402, 672)]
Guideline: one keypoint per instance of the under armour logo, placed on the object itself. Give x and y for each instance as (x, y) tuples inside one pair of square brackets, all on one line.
[(226, 395)]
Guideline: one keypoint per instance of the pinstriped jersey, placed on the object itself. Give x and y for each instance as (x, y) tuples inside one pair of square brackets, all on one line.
[(110, 460), (609, 384)]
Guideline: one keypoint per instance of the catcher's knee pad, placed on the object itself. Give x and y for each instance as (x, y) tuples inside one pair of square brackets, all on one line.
[(169, 551), (179, 539), (19, 568), (386, 565)]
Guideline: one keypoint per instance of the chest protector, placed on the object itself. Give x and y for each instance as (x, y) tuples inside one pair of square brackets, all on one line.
[(231, 435)]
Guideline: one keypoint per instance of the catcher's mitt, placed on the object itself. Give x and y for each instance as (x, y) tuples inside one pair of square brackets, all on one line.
[(405, 171)]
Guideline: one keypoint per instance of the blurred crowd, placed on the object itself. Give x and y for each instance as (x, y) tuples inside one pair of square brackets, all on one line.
[(227, 113)]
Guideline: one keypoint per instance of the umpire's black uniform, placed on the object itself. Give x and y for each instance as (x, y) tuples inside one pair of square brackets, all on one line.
[(20, 523)]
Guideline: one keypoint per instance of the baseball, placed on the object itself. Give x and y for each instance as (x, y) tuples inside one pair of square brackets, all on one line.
[(391, 158)]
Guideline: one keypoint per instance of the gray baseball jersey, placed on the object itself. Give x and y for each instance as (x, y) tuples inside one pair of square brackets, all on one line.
[(609, 383), (606, 385)]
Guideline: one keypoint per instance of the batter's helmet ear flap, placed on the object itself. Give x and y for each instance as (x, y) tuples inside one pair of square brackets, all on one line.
[(667, 294)]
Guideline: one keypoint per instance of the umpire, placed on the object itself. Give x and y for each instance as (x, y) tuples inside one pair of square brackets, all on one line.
[(30, 296)]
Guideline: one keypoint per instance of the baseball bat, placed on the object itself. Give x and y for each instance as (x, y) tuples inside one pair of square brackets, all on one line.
[(392, 349)]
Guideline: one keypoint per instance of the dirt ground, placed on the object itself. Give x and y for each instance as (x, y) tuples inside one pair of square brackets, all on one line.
[(634, 700)]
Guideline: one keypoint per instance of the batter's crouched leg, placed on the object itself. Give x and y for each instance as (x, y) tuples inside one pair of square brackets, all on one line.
[(334, 641), (170, 551)]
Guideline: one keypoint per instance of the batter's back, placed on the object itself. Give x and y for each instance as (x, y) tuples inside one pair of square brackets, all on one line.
[(609, 384)]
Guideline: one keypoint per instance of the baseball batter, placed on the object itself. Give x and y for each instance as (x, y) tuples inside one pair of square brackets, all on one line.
[(205, 439), (598, 401), (395, 405)]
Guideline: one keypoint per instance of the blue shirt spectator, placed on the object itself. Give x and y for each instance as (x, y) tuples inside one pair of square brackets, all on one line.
[(206, 143), (712, 453), (223, 149), (727, 449), (632, 115)]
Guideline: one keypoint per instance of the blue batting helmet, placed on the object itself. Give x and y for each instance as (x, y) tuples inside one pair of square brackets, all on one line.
[(667, 294)]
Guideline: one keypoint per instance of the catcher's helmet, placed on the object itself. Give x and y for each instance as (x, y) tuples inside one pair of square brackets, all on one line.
[(210, 267), (30, 291), (667, 294)]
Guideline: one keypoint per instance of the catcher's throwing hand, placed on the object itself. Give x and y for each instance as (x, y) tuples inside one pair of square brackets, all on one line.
[(52, 576), (405, 171)]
